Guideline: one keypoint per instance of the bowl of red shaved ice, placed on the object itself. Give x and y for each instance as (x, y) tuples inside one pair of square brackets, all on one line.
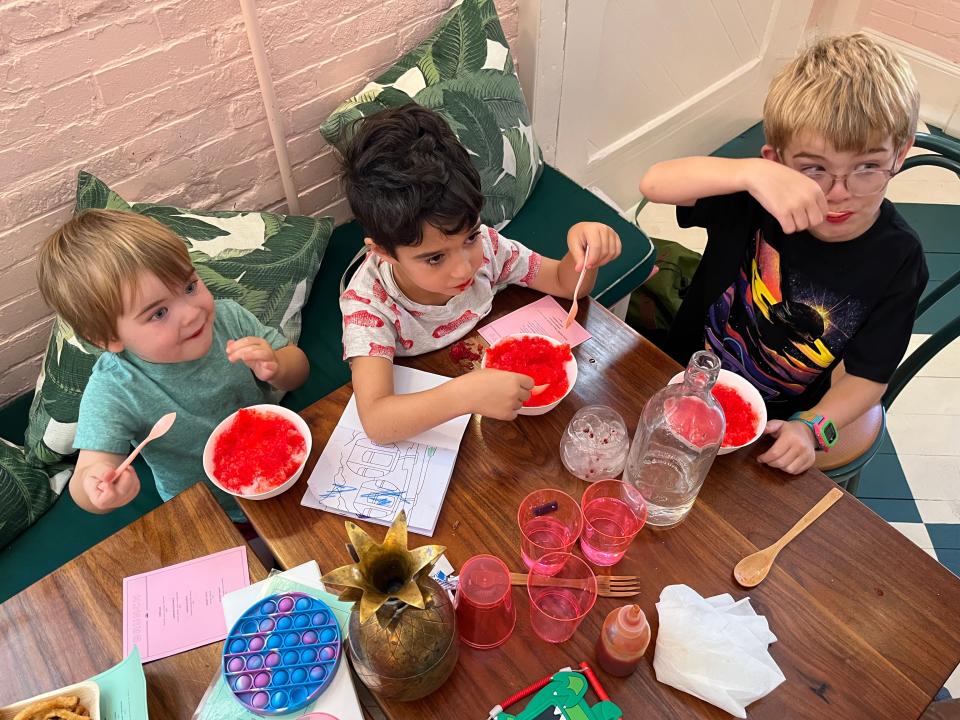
[(257, 452), (743, 408), (549, 362)]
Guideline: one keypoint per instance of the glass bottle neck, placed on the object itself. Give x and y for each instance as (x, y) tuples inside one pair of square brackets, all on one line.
[(702, 372)]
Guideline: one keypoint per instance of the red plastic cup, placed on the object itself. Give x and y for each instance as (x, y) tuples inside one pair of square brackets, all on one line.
[(613, 514), (559, 601), (485, 611), (550, 522)]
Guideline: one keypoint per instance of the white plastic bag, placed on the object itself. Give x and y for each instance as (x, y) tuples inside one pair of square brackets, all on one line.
[(714, 648)]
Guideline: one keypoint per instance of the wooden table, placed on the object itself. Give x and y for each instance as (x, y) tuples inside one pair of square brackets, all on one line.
[(866, 621), (69, 626)]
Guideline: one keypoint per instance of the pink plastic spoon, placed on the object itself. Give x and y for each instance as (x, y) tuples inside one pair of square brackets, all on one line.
[(576, 291), (159, 429)]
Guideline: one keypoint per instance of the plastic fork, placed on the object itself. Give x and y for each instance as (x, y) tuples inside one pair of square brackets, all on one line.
[(576, 291), (607, 585)]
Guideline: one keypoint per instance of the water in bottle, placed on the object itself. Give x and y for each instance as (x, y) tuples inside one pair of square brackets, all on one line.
[(678, 436)]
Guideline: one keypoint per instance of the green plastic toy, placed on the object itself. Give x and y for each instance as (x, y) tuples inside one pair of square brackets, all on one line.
[(565, 693)]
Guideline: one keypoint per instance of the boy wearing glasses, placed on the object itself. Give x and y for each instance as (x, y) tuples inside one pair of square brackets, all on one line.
[(807, 267)]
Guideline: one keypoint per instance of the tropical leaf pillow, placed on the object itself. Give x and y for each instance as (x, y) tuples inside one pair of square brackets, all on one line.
[(26, 492), (464, 71), (263, 261)]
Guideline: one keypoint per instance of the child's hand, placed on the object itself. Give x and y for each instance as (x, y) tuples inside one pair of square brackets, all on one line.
[(496, 393), (795, 200), (256, 354), (794, 449), (106, 489), (603, 242)]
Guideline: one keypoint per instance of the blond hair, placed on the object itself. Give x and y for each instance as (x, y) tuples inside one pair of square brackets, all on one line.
[(87, 266), (849, 89)]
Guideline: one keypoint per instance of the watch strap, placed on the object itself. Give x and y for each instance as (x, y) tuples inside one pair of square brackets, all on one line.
[(819, 427)]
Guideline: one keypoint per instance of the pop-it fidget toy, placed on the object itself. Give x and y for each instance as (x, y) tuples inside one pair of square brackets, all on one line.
[(282, 653)]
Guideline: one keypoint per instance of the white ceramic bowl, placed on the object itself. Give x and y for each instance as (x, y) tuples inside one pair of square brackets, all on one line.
[(570, 366), (748, 392), (88, 692), (290, 415)]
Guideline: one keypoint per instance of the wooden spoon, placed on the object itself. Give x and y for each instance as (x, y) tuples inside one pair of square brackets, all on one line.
[(159, 429), (576, 291), (754, 568)]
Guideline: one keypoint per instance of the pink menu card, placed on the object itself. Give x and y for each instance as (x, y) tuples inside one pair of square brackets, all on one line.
[(543, 317), (179, 607)]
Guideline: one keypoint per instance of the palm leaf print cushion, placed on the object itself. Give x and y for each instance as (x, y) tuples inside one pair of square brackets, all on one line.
[(465, 72), (264, 261)]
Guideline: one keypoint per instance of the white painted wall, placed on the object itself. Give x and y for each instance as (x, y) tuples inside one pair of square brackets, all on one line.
[(617, 85), (646, 81)]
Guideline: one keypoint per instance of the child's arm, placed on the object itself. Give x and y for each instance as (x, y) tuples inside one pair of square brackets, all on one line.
[(285, 369), (848, 398), (388, 417), (795, 200), (559, 277), (94, 485)]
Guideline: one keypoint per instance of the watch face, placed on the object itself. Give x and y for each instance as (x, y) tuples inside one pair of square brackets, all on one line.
[(830, 433)]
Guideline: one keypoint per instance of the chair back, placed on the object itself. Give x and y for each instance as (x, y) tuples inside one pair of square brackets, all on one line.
[(944, 153)]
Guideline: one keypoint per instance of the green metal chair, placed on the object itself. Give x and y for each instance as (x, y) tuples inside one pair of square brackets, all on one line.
[(868, 431)]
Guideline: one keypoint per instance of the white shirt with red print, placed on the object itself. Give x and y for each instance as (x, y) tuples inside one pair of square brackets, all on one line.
[(380, 321)]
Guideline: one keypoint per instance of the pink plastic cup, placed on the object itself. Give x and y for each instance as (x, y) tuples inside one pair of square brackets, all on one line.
[(485, 611), (559, 601), (550, 521), (613, 514)]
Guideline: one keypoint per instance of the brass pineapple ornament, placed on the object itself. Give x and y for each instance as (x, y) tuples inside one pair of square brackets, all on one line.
[(402, 636)]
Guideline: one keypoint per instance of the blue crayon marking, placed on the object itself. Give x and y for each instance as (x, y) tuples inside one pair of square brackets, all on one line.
[(336, 490), (384, 497)]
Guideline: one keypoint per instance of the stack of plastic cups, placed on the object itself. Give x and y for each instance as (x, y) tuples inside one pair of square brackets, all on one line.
[(485, 611)]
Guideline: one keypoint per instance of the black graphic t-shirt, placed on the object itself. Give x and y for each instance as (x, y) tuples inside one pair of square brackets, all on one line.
[(783, 310)]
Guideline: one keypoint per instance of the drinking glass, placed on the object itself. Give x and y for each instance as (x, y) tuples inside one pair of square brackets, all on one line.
[(613, 513), (595, 443), (550, 521), (485, 611), (559, 601)]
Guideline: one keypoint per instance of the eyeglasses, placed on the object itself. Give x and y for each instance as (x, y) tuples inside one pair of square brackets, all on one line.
[(859, 183)]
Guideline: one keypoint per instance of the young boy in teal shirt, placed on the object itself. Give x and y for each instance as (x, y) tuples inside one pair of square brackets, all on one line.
[(125, 283)]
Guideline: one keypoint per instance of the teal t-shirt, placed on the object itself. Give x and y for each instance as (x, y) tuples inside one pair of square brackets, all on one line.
[(126, 395)]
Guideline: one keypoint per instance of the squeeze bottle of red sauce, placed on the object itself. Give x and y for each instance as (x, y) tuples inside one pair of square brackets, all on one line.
[(623, 640)]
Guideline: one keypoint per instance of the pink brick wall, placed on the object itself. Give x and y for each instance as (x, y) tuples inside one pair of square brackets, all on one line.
[(160, 100), (931, 25)]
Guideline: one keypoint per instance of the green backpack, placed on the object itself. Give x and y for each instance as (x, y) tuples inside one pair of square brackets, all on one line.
[(654, 305)]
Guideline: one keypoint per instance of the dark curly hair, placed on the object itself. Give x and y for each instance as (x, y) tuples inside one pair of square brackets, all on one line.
[(404, 167)]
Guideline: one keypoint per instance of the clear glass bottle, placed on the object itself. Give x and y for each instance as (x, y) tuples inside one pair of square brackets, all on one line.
[(678, 436)]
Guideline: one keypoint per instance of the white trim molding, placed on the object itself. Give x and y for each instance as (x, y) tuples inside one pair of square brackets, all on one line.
[(540, 55), (939, 82)]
